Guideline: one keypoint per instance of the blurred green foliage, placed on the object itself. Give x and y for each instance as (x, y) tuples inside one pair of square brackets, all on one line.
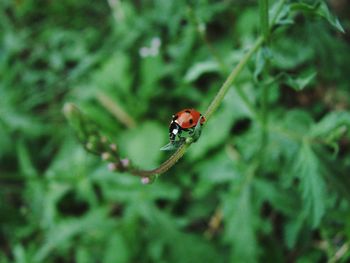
[(236, 196)]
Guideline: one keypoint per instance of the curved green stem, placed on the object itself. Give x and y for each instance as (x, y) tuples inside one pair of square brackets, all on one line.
[(164, 166), (231, 78), (223, 67), (211, 109)]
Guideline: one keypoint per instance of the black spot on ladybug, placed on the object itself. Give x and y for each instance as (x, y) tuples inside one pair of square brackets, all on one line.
[(187, 111), (191, 121)]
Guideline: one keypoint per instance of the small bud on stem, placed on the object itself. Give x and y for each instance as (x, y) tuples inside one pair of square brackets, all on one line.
[(113, 147), (112, 167), (145, 180), (106, 156), (125, 163)]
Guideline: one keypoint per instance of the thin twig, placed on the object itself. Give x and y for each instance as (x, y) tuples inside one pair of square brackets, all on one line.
[(214, 223), (223, 67), (231, 78), (164, 166), (116, 110), (340, 253), (264, 18)]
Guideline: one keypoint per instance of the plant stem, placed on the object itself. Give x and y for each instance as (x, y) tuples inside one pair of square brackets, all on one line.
[(223, 67), (164, 166), (231, 78), (116, 110), (264, 102), (264, 18), (264, 120), (265, 30)]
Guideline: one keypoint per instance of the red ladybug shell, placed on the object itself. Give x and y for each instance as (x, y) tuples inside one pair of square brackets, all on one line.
[(188, 118)]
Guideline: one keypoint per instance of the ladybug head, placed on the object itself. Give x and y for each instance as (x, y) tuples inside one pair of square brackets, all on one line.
[(174, 130)]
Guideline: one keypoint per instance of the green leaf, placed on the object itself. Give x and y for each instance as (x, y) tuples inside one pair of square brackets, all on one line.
[(168, 147), (247, 24), (5, 139), (180, 246), (300, 82), (219, 169), (25, 164), (319, 9), (289, 53), (332, 126), (292, 230), (193, 249), (262, 57), (280, 199), (114, 74), (296, 121), (68, 162), (172, 146), (151, 69), (337, 175), (83, 255), (199, 69), (283, 15), (312, 185), (123, 188), (62, 233), (239, 221), (324, 12), (19, 254), (116, 250)]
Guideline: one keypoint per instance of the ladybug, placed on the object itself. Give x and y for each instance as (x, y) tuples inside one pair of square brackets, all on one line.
[(184, 122)]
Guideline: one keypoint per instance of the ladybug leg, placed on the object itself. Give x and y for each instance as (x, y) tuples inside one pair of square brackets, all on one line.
[(183, 134), (197, 130)]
